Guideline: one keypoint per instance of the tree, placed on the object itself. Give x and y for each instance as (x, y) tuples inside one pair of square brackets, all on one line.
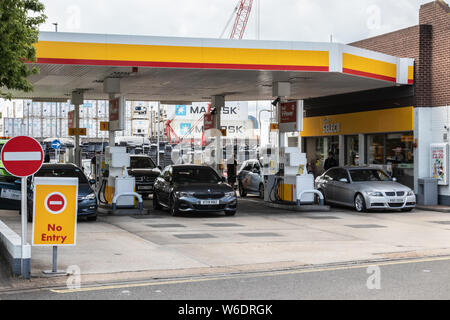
[(19, 21)]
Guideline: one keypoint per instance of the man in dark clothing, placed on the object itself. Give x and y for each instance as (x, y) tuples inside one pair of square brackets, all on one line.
[(330, 162), (232, 171)]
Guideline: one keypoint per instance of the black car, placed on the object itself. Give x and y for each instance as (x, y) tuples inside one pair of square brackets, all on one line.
[(10, 193), (87, 200), (145, 172), (193, 188)]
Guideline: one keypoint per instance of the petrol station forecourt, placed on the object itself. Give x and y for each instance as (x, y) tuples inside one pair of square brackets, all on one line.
[(181, 71)]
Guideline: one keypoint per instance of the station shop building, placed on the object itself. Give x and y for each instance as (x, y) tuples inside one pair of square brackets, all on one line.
[(394, 127)]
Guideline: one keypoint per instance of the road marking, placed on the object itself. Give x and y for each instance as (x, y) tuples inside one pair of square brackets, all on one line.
[(22, 156), (248, 275)]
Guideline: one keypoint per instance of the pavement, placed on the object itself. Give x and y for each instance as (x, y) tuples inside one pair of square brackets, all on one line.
[(258, 238)]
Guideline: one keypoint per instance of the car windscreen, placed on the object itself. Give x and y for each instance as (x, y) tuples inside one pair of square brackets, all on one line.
[(141, 163), (63, 173), (368, 175), (195, 175)]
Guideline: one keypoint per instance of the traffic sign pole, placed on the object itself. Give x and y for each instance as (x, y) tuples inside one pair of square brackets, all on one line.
[(24, 224)]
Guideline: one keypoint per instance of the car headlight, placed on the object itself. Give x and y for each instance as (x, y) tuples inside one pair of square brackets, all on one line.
[(410, 193), (183, 194), (90, 196), (230, 194), (375, 194)]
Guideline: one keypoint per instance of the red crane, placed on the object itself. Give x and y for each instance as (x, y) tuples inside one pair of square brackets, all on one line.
[(242, 11)]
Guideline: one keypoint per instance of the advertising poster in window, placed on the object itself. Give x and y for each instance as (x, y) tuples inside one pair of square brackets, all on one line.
[(439, 167)]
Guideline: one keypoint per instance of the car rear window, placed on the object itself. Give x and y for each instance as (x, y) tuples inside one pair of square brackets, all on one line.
[(63, 173)]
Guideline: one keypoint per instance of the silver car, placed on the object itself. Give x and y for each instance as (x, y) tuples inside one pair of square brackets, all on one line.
[(364, 188)]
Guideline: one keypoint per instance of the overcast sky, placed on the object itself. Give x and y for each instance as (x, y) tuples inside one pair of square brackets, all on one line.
[(297, 20)]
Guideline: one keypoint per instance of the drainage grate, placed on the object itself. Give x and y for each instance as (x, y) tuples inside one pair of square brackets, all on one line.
[(322, 217), (224, 225), (194, 236), (261, 234), (166, 225), (441, 222), (147, 217), (365, 226)]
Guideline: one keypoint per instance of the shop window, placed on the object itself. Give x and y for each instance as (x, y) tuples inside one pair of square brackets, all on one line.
[(352, 150), (375, 148)]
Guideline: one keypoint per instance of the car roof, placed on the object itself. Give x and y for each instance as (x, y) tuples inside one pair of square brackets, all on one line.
[(356, 168), (190, 166), (59, 166)]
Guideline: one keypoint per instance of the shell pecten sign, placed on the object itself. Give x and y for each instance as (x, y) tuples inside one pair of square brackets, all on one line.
[(55, 209)]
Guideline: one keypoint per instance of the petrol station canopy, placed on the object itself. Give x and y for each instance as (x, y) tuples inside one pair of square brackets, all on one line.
[(194, 69)]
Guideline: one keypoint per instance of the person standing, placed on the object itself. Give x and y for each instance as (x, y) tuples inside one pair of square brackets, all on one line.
[(47, 157), (231, 171), (330, 162)]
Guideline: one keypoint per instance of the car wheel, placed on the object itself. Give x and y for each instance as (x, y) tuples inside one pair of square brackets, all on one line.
[(242, 191), (261, 191), (360, 204), (173, 207), (156, 205), (230, 213), (407, 209)]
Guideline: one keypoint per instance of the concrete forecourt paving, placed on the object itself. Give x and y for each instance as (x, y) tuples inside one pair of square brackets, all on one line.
[(159, 246)]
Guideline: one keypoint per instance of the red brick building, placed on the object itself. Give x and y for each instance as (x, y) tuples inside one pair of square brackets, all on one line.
[(429, 44)]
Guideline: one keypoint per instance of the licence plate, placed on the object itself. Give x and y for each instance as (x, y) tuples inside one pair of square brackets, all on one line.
[(11, 194), (396, 201), (209, 202)]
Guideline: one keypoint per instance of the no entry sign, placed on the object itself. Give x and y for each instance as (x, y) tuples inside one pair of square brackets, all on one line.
[(22, 156), (55, 202), (55, 208)]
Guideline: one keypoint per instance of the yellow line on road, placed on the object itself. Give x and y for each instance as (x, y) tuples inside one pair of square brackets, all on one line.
[(248, 275)]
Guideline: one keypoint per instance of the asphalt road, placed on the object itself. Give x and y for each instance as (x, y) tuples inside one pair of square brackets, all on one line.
[(420, 279)]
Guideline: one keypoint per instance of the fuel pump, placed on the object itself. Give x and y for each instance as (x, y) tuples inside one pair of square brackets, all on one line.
[(116, 187)]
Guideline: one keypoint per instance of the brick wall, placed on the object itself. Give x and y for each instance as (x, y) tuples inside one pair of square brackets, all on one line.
[(437, 14), (429, 44)]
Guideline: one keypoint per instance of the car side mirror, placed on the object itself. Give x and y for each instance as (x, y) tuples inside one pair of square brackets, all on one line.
[(92, 182)]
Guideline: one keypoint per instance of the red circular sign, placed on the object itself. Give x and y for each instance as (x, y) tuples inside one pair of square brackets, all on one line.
[(22, 156), (55, 202)]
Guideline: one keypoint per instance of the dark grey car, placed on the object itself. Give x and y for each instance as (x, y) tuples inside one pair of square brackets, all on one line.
[(364, 188), (193, 188), (145, 172)]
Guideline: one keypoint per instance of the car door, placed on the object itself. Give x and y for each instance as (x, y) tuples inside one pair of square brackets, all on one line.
[(245, 175), (166, 186), (342, 191), (328, 184), (255, 176)]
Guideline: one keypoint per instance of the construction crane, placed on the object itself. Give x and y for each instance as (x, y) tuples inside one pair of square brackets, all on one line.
[(242, 12)]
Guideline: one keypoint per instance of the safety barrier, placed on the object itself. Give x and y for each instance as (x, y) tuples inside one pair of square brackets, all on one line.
[(132, 194), (11, 250), (321, 198)]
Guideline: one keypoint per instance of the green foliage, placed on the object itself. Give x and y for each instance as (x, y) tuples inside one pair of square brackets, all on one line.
[(19, 22)]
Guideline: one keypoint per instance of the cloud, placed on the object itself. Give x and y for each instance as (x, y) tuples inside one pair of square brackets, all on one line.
[(291, 20)]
